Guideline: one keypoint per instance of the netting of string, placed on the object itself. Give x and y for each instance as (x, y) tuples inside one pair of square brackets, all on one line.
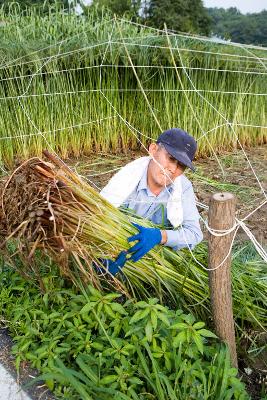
[(182, 75)]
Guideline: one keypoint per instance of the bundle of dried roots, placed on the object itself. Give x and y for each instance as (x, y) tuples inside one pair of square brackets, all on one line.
[(45, 206)]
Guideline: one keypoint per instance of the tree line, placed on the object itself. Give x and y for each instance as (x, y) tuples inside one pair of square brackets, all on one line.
[(180, 15), (242, 28)]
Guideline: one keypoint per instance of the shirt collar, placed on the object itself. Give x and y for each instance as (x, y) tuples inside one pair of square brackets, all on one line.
[(143, 181)]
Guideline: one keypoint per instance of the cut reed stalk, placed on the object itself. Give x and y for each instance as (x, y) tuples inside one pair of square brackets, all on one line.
[(48, 208)]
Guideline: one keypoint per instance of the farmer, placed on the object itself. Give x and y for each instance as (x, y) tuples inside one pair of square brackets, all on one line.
[(156, 189)]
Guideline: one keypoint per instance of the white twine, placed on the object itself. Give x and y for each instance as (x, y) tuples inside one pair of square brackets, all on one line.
[(239, 71), (235, 57), (53, 131), (228, 123), (195, 36), (24, 95)]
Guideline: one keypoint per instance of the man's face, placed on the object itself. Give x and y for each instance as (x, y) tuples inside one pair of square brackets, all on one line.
[(163, 168)]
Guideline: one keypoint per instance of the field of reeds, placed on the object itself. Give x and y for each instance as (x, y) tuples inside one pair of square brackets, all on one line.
[(76, 84)]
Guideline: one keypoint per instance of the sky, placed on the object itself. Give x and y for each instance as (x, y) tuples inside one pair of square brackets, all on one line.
[(247, 6)]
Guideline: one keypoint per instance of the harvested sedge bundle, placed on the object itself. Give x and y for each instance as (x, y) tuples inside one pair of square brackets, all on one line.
[(47, 207)]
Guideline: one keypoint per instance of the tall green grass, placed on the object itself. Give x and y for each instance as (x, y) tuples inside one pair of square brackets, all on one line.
[(60, 63)]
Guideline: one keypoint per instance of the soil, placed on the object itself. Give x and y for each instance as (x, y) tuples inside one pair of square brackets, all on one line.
[(251, 184)]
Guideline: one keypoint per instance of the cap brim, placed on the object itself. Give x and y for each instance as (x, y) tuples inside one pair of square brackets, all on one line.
[(180, 156)]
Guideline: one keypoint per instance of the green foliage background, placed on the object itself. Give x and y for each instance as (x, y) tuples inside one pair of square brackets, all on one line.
[(232, 24), (89, 344)]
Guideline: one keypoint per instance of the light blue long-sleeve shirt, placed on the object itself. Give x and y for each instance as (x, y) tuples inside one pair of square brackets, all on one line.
[(152, 207)]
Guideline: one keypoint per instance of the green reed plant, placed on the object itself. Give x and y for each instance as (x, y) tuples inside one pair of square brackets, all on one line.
[(55, 60)]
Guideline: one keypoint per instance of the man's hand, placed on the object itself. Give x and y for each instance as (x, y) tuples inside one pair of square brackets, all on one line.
[(147, 239), (113, 267)]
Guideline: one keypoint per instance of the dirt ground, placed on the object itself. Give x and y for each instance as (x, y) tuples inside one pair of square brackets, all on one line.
[(249, 175)]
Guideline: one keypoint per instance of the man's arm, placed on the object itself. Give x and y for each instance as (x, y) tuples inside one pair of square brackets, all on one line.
[(189, 234)]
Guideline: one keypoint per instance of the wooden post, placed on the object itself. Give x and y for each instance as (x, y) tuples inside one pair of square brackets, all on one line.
[(222, 217)]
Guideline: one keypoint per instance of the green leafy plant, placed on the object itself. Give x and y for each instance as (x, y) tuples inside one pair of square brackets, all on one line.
[(88, 345)]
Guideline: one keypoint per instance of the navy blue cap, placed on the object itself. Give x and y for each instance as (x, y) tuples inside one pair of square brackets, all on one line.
[(180, 145)]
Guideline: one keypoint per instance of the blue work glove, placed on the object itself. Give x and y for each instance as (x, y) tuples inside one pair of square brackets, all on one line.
[(113, 267), (147, 239)]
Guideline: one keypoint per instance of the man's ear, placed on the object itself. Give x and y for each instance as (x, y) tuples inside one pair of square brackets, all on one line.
[(153, 147)]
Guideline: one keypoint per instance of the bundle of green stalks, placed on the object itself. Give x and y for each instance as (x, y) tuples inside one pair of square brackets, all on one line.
[(47, 208)]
